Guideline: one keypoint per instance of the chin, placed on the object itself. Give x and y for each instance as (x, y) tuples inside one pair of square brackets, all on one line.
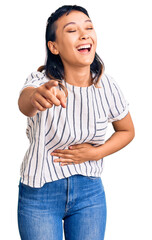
[(83, 64), (85, 61)]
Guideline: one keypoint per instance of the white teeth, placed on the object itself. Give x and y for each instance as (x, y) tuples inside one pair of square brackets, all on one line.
[(84, 46)]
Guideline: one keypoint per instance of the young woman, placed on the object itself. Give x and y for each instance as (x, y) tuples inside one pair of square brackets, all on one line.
[(69, 103)]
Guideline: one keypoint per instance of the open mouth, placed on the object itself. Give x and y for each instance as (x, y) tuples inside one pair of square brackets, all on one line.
[(84, 48)]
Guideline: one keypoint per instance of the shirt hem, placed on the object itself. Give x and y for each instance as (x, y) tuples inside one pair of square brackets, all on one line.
[(37, 185)]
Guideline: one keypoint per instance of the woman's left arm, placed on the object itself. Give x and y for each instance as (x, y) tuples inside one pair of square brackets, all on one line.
[(123, 135)]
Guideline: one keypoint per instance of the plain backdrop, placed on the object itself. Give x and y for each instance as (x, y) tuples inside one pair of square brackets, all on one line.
[(124, 43)]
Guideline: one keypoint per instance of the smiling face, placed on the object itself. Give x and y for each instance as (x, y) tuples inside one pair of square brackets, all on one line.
[(75, 40)]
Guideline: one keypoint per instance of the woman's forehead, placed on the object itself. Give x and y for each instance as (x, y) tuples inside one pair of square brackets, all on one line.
[(73, 16)]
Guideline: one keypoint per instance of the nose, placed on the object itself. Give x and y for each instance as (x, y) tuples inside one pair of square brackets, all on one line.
[(84, 37)]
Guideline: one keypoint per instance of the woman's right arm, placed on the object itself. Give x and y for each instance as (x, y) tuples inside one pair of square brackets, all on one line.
[(32, 100)]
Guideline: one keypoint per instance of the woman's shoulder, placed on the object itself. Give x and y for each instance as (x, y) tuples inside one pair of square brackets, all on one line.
[(37, 74), (36, 79), (106, 77), (108, 81)]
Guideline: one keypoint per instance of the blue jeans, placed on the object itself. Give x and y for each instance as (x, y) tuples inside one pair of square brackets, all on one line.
[(78, 201)]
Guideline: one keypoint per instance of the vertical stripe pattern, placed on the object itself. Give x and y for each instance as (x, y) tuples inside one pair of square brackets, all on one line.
[(84, 120)]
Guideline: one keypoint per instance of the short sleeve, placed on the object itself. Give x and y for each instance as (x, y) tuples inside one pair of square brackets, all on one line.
[(35, 79), (118, 105)]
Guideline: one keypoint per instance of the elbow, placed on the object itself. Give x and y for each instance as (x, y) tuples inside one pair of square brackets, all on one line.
[(20, 105), (23, 109), (131, 134)]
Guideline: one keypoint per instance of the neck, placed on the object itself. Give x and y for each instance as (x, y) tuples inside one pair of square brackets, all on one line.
[(77, 76)]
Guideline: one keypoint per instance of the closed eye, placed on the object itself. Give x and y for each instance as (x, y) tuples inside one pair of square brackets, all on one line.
[(89, 28), (70, 31)]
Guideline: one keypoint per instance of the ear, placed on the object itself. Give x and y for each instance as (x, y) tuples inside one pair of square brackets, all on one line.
[(53, 48)]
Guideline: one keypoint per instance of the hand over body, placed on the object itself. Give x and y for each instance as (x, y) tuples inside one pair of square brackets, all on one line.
[(123, 135), (76, 154)]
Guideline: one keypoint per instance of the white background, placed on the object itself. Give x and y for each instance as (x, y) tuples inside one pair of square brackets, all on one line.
[(124, 44)]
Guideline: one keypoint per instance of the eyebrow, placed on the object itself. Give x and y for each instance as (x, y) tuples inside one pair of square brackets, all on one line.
[(88, 20)]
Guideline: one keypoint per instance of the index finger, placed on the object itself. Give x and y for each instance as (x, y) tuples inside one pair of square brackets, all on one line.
[(51, 83), (63, 151)]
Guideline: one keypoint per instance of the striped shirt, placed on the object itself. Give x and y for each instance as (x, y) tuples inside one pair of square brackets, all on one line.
[(84, 120)]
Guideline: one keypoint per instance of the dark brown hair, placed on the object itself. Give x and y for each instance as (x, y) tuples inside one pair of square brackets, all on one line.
[(54, 67)]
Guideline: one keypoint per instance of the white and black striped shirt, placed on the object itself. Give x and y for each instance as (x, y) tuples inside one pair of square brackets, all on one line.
[(85, 119)]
